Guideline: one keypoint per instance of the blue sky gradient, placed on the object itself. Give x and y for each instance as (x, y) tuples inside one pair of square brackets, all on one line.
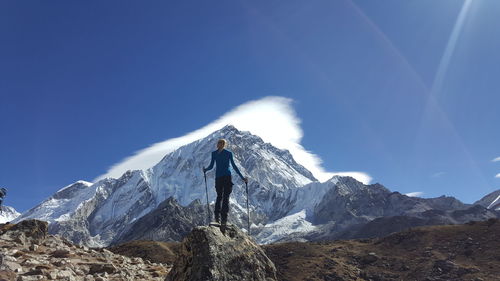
[(85, 84)]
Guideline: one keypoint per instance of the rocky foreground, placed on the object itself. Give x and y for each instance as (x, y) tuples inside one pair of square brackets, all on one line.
[(28, 253), (467, 252)]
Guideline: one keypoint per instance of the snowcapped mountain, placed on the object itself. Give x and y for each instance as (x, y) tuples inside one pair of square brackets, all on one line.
[(166, 200), (272, 173), (324, 210), (94, 214), (8, 214)]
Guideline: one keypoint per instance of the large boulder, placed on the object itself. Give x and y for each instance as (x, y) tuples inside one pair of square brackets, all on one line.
[(24, 232), (208, 254)]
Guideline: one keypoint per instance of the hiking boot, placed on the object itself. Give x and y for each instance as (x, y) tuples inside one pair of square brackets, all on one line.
[(217, 220), (223, 226)]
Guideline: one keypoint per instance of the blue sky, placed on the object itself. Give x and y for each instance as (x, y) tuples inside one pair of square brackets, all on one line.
[(379, 85)]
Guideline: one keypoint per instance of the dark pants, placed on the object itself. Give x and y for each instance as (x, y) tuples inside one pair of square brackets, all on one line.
[(223, 186)]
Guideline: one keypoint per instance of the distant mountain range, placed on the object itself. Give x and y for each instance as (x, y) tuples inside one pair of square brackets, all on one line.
[(8, 214), (286, 201)]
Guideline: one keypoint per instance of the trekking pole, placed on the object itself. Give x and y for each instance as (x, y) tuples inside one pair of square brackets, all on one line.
[(248, 210), (206, 191)]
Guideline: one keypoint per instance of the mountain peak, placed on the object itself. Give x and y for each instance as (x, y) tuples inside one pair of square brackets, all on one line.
[(229, 128), (228, 132), (70, 190)]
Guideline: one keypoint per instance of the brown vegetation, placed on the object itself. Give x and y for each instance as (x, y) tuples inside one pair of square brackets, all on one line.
[(153, 251), (446, 252)]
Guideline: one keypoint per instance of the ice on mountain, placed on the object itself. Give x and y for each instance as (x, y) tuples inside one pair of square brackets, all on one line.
[(284, 227)]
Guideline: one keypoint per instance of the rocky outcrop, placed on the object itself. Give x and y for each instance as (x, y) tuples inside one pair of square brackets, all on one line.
[(28, 252), (25, 232), (208, 254)]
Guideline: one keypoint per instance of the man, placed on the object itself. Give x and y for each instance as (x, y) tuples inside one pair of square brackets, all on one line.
[(3, 192), (223, 183)]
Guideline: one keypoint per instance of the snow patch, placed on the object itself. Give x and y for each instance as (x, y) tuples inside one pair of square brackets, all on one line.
[(8, 214), (495, 204), (86, 183), (295, 223)]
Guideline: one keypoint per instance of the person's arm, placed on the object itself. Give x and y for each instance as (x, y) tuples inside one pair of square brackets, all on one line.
[(236, 168), (211, 164)]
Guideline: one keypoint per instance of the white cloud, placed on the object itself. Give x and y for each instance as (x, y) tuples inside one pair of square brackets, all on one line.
[(496, 159), (437, 175), (415, 194), (498, 175), (272, 118)]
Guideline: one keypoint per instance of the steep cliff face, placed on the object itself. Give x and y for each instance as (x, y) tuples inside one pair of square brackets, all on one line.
[(170, 221)]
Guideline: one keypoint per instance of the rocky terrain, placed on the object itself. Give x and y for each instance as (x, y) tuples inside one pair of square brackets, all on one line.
[(29, 253), (464, 252), (430, 253)]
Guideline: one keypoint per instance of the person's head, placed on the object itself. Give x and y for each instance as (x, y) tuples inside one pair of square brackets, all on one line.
[(221, 144)]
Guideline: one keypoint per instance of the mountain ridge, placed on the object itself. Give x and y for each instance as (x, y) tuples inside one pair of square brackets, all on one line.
[(284, 197), (99, 212)]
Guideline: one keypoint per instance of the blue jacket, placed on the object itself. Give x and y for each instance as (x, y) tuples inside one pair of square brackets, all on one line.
[(222, 160)]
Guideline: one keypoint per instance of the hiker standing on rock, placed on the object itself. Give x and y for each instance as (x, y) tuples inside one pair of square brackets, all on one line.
[(223, 183)]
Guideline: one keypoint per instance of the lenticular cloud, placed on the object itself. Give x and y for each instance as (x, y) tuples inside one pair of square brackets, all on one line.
[(271, 118), (414, 194)]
